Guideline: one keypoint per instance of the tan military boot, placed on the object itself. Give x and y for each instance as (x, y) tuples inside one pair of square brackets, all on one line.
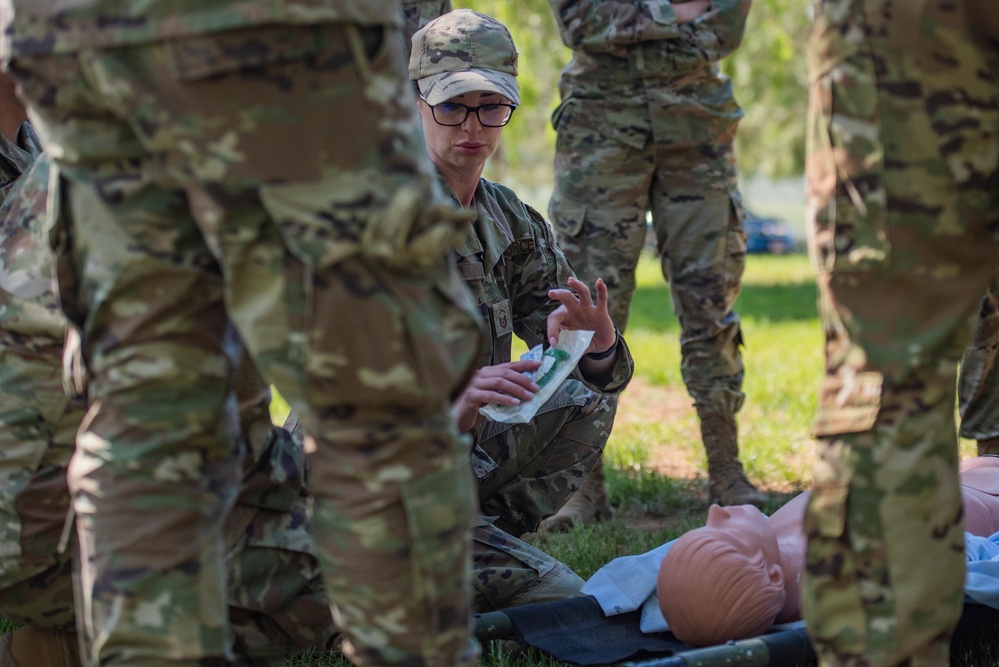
[(727, 484), (988, 447), (35, 647), (588, 504)]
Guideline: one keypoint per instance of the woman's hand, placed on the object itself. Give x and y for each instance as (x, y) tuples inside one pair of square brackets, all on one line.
[(582, 314), (502, 384)]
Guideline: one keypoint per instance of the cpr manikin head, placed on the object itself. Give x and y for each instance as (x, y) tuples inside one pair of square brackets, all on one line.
[(723, 581)]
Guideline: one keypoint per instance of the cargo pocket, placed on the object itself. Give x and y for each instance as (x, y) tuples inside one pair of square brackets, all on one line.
[(567, 218), (439, 507), (562, 111), (848, 405), (203, 56), (61, 242), (735, 264), (387, 222)]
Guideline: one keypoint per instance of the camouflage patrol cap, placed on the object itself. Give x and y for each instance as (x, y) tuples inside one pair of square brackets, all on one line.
[(463, 51)]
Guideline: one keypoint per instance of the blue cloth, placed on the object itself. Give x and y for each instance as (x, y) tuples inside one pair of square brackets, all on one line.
[(981, 583)]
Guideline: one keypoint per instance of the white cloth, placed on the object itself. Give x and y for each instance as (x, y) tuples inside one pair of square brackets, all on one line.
[(629, 582)]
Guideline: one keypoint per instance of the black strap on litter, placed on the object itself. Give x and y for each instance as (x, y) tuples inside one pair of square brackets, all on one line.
[(576, 631), (974, 615), (781, 648)]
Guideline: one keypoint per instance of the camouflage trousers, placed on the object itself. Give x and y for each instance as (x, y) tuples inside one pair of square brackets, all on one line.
[(276, 601), (905, 231), (37, 439), (978, 382), (606, 181), (274, 176), (526, 473)]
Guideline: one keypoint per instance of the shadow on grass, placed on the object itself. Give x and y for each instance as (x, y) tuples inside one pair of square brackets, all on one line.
[(652, 307)]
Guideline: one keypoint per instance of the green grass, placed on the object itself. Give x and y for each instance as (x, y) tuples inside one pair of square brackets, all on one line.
[(783, 358)]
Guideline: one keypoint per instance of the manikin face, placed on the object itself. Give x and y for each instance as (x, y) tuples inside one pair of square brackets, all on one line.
[(744, 528), (462, 148)]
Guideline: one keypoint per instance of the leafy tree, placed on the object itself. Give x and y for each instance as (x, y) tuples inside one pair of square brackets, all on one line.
[(769, 72)]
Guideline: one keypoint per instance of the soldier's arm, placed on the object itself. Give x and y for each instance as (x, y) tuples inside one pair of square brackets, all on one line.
[(604, 26), (418, 13)]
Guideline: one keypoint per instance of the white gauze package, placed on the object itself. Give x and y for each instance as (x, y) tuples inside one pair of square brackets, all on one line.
[(556, 364)]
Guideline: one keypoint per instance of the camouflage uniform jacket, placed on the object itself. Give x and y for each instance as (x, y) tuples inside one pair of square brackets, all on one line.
[(15, 158), (627, 53), (40, 27), (29, 310), (510, 261)]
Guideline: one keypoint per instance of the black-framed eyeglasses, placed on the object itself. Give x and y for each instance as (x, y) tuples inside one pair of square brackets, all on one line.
[(451, 114)]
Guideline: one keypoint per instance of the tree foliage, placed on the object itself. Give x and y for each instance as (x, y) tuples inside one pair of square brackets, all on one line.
[(768, 71)]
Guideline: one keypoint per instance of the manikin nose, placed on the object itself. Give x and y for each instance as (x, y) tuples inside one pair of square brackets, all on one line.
[(718, 513)]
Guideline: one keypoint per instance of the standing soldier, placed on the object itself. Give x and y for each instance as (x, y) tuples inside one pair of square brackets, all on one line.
[(260, 161), (903, 201), (647, 124), (277, 604), (418, 13)]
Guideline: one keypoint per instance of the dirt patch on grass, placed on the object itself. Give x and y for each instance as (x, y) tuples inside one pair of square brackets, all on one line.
[(645, 403), (679, 457)]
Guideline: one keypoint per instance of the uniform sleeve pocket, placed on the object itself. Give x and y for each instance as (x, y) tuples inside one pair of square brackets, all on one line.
[(567, 218)]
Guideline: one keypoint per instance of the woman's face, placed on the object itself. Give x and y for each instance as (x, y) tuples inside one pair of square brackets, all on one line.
[(462, 148)]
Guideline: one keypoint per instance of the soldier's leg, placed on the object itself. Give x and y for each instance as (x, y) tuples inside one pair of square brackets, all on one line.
[(277, 602), (366, 334), (37, 439), (978, 382), (36, 568), (507, 572), (394, 503), (599, 204), (702, 245), (155, 470), (598, 210), (900, 217), (38, 422), (886, 506), (36, 443), (526, 472)]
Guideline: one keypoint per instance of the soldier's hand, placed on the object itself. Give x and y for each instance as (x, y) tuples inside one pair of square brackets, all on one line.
[(579, 312), (688, 11), (502, 384)]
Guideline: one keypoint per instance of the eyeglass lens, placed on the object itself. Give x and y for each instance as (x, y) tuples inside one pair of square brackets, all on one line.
[(490, 115)]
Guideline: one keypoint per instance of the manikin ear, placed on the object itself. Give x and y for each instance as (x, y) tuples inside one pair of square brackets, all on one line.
[(776, 576)]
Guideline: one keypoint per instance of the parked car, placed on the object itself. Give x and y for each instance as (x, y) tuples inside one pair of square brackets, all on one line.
[(768, 235)]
